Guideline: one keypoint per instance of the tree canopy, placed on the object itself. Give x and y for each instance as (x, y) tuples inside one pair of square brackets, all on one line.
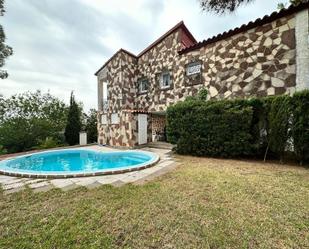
[(222, 6), (5, 50), (91, 126), (228, 6), (28, 119)]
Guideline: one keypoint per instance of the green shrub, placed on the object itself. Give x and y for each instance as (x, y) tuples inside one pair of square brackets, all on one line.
[(48, 143), (2, 150), (214, 128), (28, 118), (300, 126), (20, 134), (279, 123), (203, 94), (242, 127), (178, 119)]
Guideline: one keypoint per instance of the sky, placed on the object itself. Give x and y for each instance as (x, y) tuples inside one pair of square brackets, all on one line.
[(59, 44)]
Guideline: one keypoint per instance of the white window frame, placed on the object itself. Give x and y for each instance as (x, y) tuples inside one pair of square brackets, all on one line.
[(162, 85), (193, 68), (143, 82), (115, 118), (104, 119)]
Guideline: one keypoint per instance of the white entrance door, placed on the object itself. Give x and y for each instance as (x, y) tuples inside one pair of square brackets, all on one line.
[(142, 128)]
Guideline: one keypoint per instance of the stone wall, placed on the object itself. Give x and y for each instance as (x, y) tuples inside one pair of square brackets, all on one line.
[(258, 62), (120, 74), (164, 56), (122, 134)]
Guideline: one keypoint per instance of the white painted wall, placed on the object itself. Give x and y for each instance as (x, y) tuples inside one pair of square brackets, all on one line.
[(82, 138), (302, 50), (142, 128)]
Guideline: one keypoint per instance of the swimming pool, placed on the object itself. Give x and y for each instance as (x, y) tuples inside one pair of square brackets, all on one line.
[(76, 163)]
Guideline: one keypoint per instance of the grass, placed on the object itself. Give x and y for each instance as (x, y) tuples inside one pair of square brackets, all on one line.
[(204, 203)]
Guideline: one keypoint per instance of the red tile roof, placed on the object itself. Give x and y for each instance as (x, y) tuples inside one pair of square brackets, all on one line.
[(258, 22)]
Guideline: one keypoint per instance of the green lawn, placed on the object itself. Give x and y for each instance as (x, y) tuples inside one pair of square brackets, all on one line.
[(204, 203)]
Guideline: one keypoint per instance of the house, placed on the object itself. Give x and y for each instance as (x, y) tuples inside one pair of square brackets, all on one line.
[(268, 56)]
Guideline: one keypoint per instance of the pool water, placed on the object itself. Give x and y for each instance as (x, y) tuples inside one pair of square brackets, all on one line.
[(76, 161)]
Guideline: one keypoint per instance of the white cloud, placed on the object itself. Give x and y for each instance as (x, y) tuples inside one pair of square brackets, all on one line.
[(58, 45)]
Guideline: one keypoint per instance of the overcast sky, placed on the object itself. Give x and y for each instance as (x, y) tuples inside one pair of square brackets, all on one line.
[(59, 44)]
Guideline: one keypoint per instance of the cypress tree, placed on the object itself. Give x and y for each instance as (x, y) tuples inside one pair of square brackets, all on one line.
[(73, 126), (91, 126)]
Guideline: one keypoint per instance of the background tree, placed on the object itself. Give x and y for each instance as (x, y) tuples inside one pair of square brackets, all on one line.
[(74, 124), (291, 2), (5, 50), (224, 6), (28, 119), (91, 126)]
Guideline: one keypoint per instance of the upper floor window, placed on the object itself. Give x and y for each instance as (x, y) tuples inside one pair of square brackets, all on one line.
[(143, 85), (165, 80), (193, 68)]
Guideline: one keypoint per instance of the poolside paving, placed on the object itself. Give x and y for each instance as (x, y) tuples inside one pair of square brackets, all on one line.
[(10, 184)]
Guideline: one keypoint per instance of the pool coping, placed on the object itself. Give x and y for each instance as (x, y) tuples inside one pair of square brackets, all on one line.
[(115, 171)]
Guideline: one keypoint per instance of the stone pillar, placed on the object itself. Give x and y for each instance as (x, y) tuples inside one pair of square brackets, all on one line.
[(302, 50)]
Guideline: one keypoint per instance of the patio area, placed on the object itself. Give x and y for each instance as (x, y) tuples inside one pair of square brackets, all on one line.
[(11, 184)]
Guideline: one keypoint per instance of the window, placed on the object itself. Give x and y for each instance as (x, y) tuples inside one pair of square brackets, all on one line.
[(193, 68), (165, 80), (115, 118), (143, 85), (103, 119)]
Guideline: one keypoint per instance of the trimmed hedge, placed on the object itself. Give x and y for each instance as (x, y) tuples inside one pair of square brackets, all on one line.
[(236, 128), (300, 125)]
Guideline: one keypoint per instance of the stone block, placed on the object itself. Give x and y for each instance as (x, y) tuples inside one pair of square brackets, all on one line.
[(276, 82)]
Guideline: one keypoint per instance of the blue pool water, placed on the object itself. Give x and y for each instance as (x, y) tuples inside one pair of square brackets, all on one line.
[(76, 161)]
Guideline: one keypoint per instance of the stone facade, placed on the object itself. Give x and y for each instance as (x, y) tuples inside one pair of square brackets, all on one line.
[(120, 74), (258, 61)]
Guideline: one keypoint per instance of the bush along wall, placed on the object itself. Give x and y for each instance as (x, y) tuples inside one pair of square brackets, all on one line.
[(258, 127), (300, 125)]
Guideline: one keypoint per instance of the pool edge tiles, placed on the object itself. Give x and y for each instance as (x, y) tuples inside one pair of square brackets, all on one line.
[(154, 158)]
